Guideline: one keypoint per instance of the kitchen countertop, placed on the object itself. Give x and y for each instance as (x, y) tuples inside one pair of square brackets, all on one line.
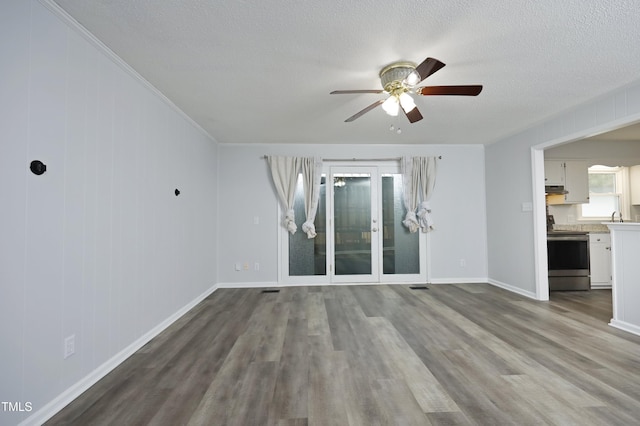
[(584, 227)]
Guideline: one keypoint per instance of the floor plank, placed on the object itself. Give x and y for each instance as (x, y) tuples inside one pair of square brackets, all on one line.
[(462, 354)]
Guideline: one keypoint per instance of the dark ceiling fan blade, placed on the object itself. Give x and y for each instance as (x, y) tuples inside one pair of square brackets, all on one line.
[(347, 92), (428, 67), (473, 90), (413, 115), (364, 111)]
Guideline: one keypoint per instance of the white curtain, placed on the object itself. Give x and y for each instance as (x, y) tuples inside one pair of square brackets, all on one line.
[(418, 180), (311, 175), (284, 171), (409, 196)]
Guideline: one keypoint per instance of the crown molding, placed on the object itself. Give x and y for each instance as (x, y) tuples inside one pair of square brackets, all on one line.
[(72, 23)]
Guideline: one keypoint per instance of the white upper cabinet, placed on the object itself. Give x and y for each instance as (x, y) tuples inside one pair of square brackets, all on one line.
[(554, 172), (576, 182), (573, 175)]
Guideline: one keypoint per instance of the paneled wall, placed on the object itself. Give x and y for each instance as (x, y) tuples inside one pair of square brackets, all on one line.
[(99, 246)]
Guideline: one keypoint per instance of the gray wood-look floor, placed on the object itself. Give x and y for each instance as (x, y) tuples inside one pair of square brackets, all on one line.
[(377, 355)]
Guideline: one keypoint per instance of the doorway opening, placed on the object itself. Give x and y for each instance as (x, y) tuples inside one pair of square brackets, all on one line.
[(539, 205)]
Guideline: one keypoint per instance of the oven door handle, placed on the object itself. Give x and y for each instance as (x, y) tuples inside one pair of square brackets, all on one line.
[(567, 238)]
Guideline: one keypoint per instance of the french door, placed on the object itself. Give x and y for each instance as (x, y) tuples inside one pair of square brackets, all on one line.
[(353, 224), (360, 235)]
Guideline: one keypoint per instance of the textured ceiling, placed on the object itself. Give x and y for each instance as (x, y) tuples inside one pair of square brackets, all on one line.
[(261, 71)]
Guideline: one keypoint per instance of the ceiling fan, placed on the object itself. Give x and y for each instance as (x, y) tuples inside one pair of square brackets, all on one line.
[(399, 80)]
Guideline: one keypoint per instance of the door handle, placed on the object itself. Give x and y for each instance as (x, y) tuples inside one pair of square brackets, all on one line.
[(374, 229)]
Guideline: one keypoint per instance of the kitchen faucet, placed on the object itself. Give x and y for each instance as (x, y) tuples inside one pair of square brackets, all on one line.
[(613, 216)]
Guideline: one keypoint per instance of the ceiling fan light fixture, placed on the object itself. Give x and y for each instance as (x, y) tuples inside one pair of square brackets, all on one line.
[(413, 78), (391, 106), (396, 74), (407, 102)]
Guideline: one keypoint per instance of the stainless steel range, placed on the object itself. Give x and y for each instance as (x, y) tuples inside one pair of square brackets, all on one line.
[(568, 260)]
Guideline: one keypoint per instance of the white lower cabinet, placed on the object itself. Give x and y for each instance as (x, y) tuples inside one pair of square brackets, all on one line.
[(600, 260)]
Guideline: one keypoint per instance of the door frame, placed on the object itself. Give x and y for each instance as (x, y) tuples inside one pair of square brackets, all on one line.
[(537, 181), (383, 167)]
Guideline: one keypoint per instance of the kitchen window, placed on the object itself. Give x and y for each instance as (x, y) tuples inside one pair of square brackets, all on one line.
[(607, 194)]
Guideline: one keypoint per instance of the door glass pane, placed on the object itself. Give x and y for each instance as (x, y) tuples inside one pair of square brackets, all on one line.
[(308, 256), (352, 223), (400, 247)]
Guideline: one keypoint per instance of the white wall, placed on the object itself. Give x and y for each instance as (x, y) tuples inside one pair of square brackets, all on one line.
[(98, 246), (246, 192), (606, 153), (510, 183)]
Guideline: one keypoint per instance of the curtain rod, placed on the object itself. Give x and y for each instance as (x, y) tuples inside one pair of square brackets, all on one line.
[(362, 159)]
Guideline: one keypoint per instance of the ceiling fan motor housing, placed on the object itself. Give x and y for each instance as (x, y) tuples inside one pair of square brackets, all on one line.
[(394, 75)]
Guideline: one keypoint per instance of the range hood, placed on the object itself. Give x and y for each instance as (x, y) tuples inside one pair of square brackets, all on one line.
[(555, 190)]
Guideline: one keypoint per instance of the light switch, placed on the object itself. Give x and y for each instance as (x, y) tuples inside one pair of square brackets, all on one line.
[(527, 206)]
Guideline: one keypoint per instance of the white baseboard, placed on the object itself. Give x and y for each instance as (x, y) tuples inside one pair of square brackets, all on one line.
[(631, 328), (601, 287), (62, 400), (256, 285), (513, 289), (458, 280), (303, 284), (297, 284)]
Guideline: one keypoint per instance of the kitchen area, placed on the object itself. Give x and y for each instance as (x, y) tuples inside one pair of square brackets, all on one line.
[(592, 199), (578, 241)]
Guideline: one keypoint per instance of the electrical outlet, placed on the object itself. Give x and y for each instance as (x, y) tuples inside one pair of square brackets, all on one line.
[(246, 266), (463, 263), (69, 346), (238, 266), (256, 266)]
